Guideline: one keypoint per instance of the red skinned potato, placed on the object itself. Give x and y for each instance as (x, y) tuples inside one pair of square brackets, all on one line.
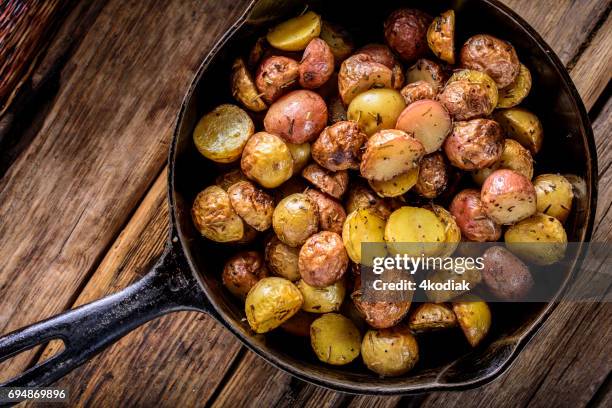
[(323, 259), (276, 76), (428, 121), (338, 147), (331, 212), (389, 153), (474, 144), (242, 271), (433, 176), (508, 197), (361, 72), (505, 275), (383, 55), (317, 64), (297, 117), (406, 33), (475, 225), (428, 71), (332, 183), (418, 90), (495, 57)]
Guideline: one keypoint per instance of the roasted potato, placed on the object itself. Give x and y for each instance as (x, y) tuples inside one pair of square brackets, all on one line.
[(226, 180), (390, 352), (414, 231), (299, 324), (214, 217), (523, 126), (471, 218), (282, 259), (331, 213), (360, 196), (338, 39), (222, 134), (433, 176), (380, 314), (317, 64), (474, 317), (428, 121), (432, 316), (452, 232), (441, 36), (398, 185), (383, 55), (295, 219), (254, 206), (469, 94), (406, 33), (514, 94), (322, 300), (554, 195), (338, 147), (362, 225), (242, 271), (244, 89), (337, 110), (297, 117), (276, 76), (267, 160), (474, 144), (332, 183), (335, 339), (360, 72), (389, 153), (470, 276), (418, 90), (271, 302), (514, 157), (506, 276), (300, 154), (540, 239), (495, 57), (428, 71), (295, 34), (376, 109), (323, 259), (508, 197)]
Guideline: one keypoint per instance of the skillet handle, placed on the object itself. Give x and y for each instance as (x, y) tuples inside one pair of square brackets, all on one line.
[(89, 329)]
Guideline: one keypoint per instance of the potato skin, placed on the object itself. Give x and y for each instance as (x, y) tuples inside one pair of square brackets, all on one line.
[(406, 33), (474, 317), (362, 225), (244, 89), (361, 72), (514, 93), (474, 144), (335, 339), (323, 259), (282, 259), (428, 121), (523, 126), (418, 90), (380, 315), (441, 36), (332, 183), (295, 34), (254, 206), (267, 160), (433, 176), (505, 275), (475, 225), (317, 64), (554, 195), (338, 147), (376, 109), (495, 57), (540, 239), (360, 197), (466, 100), (432, 316), (389, 153), (514, 157), (295, 219), (242, 271), (508, 197), (331, 212), (337, 110), (390, 352), (276, 76), (300, 154), (214, 217), (428, 71), (270, 303), (383, 55), (297, 117), (322, 300)]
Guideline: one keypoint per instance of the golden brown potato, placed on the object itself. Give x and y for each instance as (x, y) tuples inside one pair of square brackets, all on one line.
[(554, 195), (514, 157), (495, 57), (222, 134), (317, 65), (322, 300), (433, 176), (390, 352), (226, 180), (214, 216), (267, 160), (432, 316), (270, 303), (338, 147), (474, 317), (362, 225), (338, 39), (332, 183), (282, 259), (506, 276), (418, 90), (297, 117), (383, 55), (295, 219), (323, 259), (469, 94), (380, 314), (376, 109), (244, 89), (276, 76), (360, 72), (514, 94), (474, 144), (242, 271), (253, 205), (299, 324), (331, 213), (428, 71), (406, 33), (300, 154), (508, 197), (475, 225), (441, 36), (523, 126), (389, 153), (396, 186), (452, 232), (295, 33), (360, 197), (335, 339), (540, 239), (428, 121), (414, 231)]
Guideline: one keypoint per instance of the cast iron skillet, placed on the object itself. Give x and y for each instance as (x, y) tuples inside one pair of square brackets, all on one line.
[(186, 277)]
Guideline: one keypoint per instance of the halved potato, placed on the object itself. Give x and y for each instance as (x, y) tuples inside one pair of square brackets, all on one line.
[(474, 317), (523, 126), (398, 185), (243, 87), (441, 36), (295, 34), (508, 197), (389, 153), (515, 93), (335, 339), (428, 71), (376, 109), (333, 183), (540, 239), (428, 121), (554, 195), (432, 316), (361, 72), (270, 303), (414, 231), (363, 225)]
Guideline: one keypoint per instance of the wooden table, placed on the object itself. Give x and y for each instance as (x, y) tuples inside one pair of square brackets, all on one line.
[(83, 212)]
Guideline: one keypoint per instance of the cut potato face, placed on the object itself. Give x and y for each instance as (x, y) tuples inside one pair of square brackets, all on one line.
[(428, 71), (540, 239), (222, 133), (514, 157), (414, 231), (329, 182), (214, 216), (270, 303), (523, 126), (295, 34), (361, 72), (432, 316), (452, 232), (554, 195), (508, 197), (243, 87), (335, 339), (398, 185), (267, 160), (322, 300), (428, 121), (389, 153), (363, 225), (474, 317), (441, 36), (376, 109), (517, 91)]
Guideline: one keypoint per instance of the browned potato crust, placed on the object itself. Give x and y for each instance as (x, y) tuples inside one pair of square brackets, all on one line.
[(383, 55), (267, 159), (380, 315), (432, 316), (361, 72), (282, 259), (214, 217), (406, 33), (523, 126), (475, 225), (433, 176), (332, 183), (331, 213), (508, 197), (242, 271), (428, 71), (338, 39), (495, 57), (317, 64), (323, 259), (361, 196), (505, 275), (441, 36), (554, 195), (297, 117), (389, 153), (474, 144), (418, 90), (244, 89), (276, 76), (466, 100), (338, 147), (253, 205)]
